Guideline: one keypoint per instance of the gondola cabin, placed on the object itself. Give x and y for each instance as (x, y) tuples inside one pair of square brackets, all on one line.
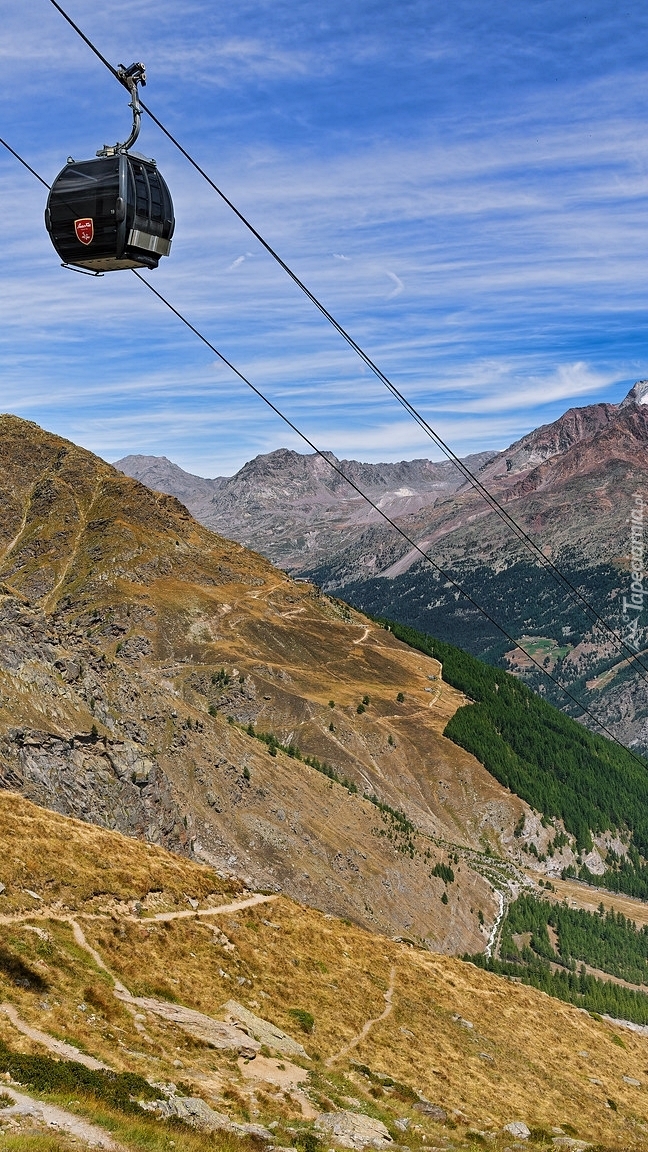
[(110, 213)]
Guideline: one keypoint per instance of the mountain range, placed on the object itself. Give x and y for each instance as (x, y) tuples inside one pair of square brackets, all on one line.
[(296, 509), (572, 487)]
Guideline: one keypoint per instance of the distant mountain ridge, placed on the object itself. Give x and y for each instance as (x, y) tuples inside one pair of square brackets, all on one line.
[(294, 508), (285, 494), (162, 475)]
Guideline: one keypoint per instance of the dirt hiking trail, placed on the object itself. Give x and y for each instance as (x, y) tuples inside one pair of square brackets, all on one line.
[(388, 995)]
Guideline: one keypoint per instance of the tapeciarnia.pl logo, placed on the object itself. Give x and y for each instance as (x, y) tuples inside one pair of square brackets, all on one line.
[(633, 606)]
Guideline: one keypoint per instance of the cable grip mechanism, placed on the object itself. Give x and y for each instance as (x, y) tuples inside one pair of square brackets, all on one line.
[(130, 77)]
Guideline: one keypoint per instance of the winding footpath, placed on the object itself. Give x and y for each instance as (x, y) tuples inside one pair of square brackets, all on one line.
[(58, 1047), (388, 996), (47, 912), (67, 1051), (59, 1118)]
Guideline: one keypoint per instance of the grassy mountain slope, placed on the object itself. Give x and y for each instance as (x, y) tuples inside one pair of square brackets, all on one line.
[(132, 634), (132, 637), (482, 1051)]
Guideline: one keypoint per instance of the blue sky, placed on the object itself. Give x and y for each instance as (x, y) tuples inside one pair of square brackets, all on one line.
[(465, 186)]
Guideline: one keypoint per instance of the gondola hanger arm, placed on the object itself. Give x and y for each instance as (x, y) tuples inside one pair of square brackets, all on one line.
[(130, 77)]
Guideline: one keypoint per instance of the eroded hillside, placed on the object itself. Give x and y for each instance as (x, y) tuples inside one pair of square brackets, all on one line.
[(142, 657)]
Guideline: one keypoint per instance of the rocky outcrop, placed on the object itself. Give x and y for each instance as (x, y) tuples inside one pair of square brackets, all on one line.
[(215, 1033), (263, 1031), (194, 1111), (518, 1128), (111, 783), (354, 1129)]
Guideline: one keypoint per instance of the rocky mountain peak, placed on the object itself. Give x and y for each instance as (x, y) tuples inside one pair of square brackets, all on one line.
[(638, 394), (290, 470)]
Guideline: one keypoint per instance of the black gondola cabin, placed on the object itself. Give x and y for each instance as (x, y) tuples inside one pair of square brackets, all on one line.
[(110, 213)]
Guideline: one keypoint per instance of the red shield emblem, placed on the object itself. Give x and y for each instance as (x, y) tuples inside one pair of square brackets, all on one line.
[(84, 230)]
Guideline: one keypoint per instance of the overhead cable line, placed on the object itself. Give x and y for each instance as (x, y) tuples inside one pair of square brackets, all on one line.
[(23, 162), (388, 520), (518, 531)]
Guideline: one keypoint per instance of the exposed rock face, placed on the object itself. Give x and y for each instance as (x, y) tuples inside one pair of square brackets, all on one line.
[(263, 1031), (225, 1037), (519, 1129), (112, 783), (198, 1114), (638, 394), (432, 1110), (565, 483)]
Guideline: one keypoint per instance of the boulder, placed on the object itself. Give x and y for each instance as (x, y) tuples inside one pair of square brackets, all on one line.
[(354, 1130), (263, 1030), (570, 1144), (226, 1037), (432, 1110), (198, 1114), (518, 1129)]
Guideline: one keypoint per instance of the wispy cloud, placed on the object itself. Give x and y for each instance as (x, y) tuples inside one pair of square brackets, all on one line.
[(398, 286)]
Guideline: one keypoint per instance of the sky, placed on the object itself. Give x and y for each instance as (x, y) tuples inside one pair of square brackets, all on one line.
[(464, 186)]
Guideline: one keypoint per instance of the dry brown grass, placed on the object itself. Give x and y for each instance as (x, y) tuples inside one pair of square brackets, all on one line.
[(521, 1059), (524, 1057), (74, 864)]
